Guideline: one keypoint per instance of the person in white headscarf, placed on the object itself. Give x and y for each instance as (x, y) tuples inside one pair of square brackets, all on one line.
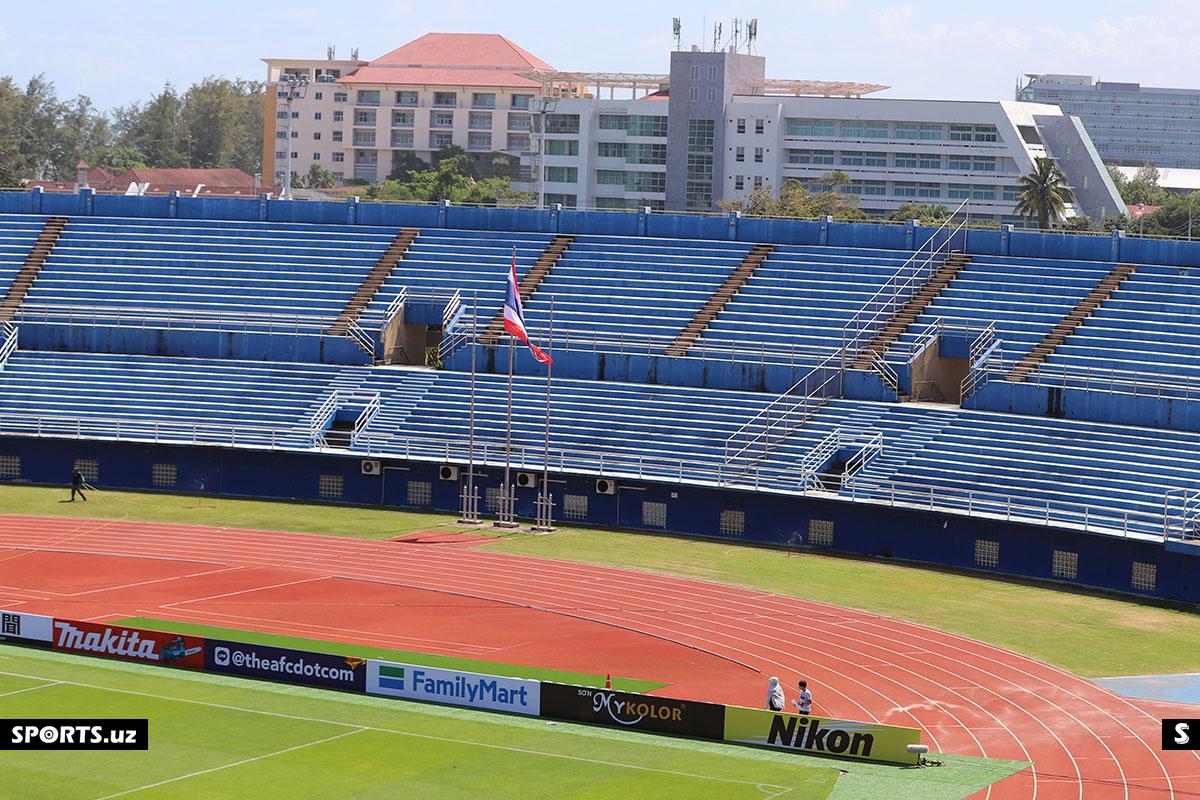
[(774, 695)]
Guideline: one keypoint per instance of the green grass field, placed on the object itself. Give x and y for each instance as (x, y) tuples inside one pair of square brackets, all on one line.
[(405, 656), (217, 737), (1087, 633)]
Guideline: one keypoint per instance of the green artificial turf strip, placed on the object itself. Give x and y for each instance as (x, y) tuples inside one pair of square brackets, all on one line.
[(389, 748), (404, 656), (1088, 633)]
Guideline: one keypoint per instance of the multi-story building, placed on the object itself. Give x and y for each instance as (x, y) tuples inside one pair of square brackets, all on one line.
[(443, 89), (728, 131), (1129, 123)]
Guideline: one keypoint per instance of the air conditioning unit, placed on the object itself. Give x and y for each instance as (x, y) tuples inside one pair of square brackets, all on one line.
[(448, 472), (372, 467), (527, 480), (606, 486)]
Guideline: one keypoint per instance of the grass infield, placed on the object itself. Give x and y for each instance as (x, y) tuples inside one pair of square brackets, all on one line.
[(1088, 633), (218, 737)]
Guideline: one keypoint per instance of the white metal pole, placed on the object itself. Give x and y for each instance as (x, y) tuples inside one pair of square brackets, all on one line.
[(470, 511)]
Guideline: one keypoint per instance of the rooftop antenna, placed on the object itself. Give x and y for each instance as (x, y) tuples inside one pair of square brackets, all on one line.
[(677, 30), (716, 36), (330, 52), (354, 54), (737, 33), (751, 34)]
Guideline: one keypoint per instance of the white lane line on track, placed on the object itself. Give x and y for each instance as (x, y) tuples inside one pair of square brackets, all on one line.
[(411, 734), (30, 688), (216, 571)]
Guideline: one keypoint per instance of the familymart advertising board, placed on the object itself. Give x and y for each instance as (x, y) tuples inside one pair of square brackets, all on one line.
[(454, 687), (820, 735)]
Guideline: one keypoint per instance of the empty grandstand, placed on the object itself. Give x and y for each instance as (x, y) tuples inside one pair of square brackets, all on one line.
[(713, 375)]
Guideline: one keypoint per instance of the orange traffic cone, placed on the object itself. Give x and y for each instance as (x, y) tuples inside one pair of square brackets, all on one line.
[(608, 680)]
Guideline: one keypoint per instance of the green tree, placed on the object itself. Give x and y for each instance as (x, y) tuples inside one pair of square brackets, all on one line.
[(116, 158), (796, 202), (1079, 223), (835, 180), (157, 129), (317, 177), (925, 213), (221, 123), (1044, 193), (405, 164)]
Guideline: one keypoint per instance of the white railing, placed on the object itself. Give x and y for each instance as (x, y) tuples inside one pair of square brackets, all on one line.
[(1181, 514), (318, 420), (901, 287), (1110, 380), (8, 332), (771, 478), (867, 444)]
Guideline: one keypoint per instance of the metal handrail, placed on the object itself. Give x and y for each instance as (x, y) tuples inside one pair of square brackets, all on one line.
[(1111, 380), (9, 333)]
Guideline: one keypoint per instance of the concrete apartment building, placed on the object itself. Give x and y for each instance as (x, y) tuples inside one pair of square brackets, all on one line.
[(441, 89), (713, 128), (1129, 123)]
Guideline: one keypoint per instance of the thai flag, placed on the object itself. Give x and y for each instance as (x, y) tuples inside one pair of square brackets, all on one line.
[(514, 316)]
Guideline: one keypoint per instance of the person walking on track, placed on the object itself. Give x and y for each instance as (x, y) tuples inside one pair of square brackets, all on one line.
[(804, 704), (774, 695), (77, 484)]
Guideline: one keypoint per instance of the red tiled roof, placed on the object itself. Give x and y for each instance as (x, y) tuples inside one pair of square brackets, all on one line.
[(98, 178), (1140, 210), (215, 181), (452, 59)]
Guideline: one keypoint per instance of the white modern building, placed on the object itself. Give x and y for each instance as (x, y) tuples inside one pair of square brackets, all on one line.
[(355, 117), (1130, 124)]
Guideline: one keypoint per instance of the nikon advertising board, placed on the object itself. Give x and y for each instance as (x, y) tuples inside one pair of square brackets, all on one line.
[(641, 712), (821, 736), (454, 687)]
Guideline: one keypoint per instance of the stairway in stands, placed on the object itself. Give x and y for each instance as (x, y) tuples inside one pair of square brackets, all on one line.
[(1076, 317), (724, 293), (900, 446), (908, 314), (375, 279), (529, 284), (28, 273)]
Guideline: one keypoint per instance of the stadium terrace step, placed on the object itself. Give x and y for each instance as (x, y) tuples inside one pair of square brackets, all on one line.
[(713, 306), (908, 314), (33, 265), (374, 280), (530, 283), (1076, 317)]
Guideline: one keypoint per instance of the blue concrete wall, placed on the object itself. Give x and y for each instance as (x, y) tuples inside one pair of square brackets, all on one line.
[(946, 539), (1028, 243)]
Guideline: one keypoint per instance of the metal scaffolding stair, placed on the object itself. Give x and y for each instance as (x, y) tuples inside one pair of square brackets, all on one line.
[(23, 281), (724, 293)]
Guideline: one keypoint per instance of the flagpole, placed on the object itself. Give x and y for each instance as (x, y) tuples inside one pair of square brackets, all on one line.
[(508, 514), (470, 509), (545, 521)]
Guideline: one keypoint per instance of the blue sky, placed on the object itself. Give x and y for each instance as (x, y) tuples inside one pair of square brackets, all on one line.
[(121, 50)]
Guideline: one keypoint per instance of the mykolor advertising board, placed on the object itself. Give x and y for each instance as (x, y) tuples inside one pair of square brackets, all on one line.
[(26, 628), (129, 644), (452, 687), (821, 736), (284, 665), (641, 712)]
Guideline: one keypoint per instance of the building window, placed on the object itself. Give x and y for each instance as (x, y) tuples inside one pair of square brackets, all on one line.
[(758, 181), (562, 123), (317, 115), (758, 155), (337, 136), (646, 125), (562, 147), (906, 160), (654, 515), (317, 135), (295, 134), (520, 122), (610, 149), (406, 98), (520, 101), (874, 188), (820, 532), (810, 157), (280, 154), (961, 133), (930, 190), (10, 466), (330, 487), (694, 94), (760, 126), (654, 182), (316, 156), (904, 189), (317, 96), (439, 140), (959, 163), (875, 159), (983, 192), (367, 97), (575, 506), (403, 119), (564, 200), (932, 133), (741, 126), (445, 99), (479, 141), (739, 182), (985, 133), (280, 115), (612, 122), (402, 139), (441, 119), (364, 117), (810, 127), (959, 192), (483, 100), (364, 138), (695, 72), (739, 155), (987, 553), (340, 97), (712, 94), (983, 163), (698, 186), (929, 161), (610, 177), (479, 120), (562, 174), (338, 116), (1064, 564), (518, 142), (712, 72), (907, 131), (732, 523), (420, 493)]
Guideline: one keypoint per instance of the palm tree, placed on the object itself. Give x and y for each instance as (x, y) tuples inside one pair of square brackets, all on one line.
[(1044, 193)]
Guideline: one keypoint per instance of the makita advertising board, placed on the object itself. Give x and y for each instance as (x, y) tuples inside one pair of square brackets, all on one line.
[(26, 628), (452, 687), (129, 644), (284, 665), (641, 712)]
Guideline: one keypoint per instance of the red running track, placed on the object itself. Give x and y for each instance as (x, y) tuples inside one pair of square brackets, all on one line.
[(710, 640)]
